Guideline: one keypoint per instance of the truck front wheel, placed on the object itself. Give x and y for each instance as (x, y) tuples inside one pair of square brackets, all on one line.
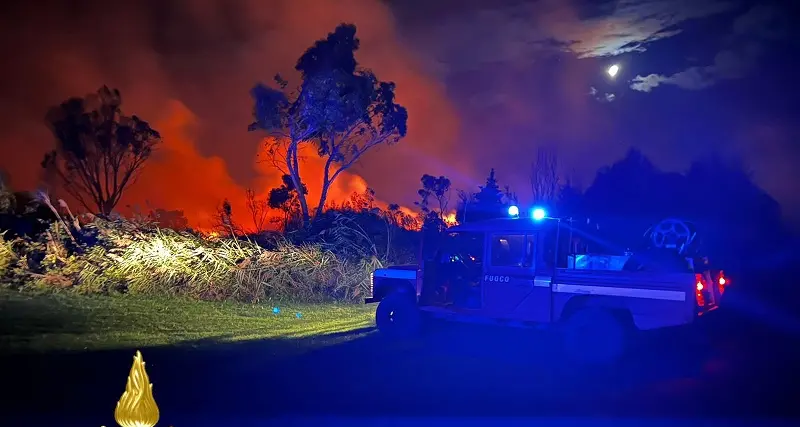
[(593, 336), (397, 316)]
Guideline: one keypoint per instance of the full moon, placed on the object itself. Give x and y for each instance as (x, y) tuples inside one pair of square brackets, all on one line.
[(613, 70)]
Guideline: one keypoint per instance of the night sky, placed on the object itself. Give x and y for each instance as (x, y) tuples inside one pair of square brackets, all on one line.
[(485, 83)]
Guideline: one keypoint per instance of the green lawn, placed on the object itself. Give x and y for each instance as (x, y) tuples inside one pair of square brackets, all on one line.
[(67, 321)]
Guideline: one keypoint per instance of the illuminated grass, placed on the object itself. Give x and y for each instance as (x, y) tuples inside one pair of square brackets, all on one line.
[(121, 256), (7, 255), (67, 321)]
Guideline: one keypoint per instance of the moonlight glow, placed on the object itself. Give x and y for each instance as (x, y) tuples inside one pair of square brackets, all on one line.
[(613, 70)]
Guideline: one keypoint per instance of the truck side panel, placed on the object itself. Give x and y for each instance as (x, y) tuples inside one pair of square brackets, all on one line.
[(654, 300), (387, 281)]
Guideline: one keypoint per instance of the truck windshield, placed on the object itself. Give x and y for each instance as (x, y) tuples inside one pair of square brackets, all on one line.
[(462, 247)]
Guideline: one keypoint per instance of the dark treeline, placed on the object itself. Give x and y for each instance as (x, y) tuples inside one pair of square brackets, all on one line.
[(735, 219), (739, 226)]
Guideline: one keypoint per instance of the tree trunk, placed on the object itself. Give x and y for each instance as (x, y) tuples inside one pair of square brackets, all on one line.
[(293, 165), (303, 205), (326, 185), (106, 207), (322, 197)]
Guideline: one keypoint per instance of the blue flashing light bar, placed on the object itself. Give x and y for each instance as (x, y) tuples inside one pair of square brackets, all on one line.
[(513, 211), (538, 214)]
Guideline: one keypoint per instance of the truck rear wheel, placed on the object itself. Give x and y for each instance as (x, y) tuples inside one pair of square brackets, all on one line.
[(593, 336), (397, 316)]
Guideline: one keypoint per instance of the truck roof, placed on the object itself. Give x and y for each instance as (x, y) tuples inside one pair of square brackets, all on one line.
[(503, 224)]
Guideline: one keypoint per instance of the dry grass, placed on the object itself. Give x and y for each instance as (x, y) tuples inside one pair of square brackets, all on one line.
[(125, 257), (7, 255)]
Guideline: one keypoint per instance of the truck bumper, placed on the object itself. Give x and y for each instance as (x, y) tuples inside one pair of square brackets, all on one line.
[(707, 309)]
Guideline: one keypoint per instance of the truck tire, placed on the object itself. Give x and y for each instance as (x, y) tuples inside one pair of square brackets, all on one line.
[(397, 316), (593, 336)]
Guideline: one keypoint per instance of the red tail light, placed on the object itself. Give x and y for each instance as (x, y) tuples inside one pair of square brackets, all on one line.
[(699, 290), (723, 281)]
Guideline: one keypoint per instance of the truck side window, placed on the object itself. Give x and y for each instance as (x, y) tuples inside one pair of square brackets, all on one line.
[(509, 250), (461, 247)]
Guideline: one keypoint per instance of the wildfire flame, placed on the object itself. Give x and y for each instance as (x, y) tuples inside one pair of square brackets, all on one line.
[(136, 407), (450, 219)]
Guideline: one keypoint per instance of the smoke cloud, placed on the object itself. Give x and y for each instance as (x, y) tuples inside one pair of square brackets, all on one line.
[(187, 66), (485, 86)]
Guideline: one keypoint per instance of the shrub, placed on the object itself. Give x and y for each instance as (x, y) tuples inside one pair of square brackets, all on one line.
[(7, 256), (103, 256)]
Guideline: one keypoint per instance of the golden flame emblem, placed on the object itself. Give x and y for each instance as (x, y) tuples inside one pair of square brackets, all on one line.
[(136, 407)]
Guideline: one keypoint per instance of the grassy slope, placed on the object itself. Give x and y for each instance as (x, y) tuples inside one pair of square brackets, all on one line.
[(75, 322)]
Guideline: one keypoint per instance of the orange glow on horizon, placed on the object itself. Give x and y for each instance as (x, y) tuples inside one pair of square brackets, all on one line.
[(200, 103), (180, 177)]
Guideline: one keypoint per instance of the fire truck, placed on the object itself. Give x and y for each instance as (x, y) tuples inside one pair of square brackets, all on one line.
[(525, 270)]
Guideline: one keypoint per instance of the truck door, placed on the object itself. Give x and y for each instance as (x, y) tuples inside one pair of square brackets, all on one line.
[(511, 289)]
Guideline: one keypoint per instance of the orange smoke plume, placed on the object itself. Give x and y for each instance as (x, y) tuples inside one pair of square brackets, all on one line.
[(194, 90), (179, 177)]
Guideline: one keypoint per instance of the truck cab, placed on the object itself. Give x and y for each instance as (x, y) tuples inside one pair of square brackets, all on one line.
[(513, 271)]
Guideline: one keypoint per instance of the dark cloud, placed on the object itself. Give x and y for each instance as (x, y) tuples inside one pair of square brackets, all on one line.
[(633, 25), (744, 46), (467, 37), (520, 72)]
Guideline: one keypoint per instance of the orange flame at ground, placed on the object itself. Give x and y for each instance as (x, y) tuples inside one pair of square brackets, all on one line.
[(450, 219)]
